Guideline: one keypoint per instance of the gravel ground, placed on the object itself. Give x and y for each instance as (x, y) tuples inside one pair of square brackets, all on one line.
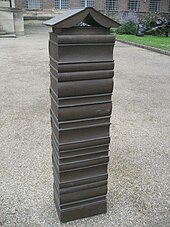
[(139, 166)]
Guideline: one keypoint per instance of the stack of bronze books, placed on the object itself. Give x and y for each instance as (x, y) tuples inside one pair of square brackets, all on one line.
[(81, 69)]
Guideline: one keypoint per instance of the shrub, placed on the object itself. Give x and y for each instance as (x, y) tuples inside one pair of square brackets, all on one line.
[(128, 23), (128, 27), (149, 22)]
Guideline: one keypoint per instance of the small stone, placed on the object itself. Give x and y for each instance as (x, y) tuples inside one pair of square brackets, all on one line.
[(13, 210)]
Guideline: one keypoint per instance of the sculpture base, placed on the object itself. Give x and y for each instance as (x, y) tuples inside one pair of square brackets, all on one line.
[(81, 210)]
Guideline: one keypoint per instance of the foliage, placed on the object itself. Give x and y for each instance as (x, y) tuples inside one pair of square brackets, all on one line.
[(130, 20), (128, 24), (149, 22), (127, 28)]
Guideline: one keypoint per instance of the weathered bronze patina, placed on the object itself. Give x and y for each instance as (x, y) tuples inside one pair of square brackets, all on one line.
[(81, 70)]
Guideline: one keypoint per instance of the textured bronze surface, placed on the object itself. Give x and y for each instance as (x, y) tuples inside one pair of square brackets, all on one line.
[(88, 15), (81, 72)]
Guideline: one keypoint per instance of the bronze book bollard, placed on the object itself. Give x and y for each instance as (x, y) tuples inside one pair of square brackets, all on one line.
[(81, 72)]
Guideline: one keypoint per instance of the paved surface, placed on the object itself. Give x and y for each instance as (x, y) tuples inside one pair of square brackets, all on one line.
[(139, 160)]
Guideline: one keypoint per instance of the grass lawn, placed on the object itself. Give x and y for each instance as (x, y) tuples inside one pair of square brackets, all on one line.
[(153, 41)]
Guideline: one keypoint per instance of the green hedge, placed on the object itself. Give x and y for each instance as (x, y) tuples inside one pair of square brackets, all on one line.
[(128, 27)]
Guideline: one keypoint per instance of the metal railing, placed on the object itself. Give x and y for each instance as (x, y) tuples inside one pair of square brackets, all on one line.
[(86, 3), (33, 4), (134, 5), (154, 5), (61, 4), (111, 5)]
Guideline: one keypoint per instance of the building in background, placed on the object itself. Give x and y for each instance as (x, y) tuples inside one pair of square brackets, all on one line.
[(48, 8), (11, 19)]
